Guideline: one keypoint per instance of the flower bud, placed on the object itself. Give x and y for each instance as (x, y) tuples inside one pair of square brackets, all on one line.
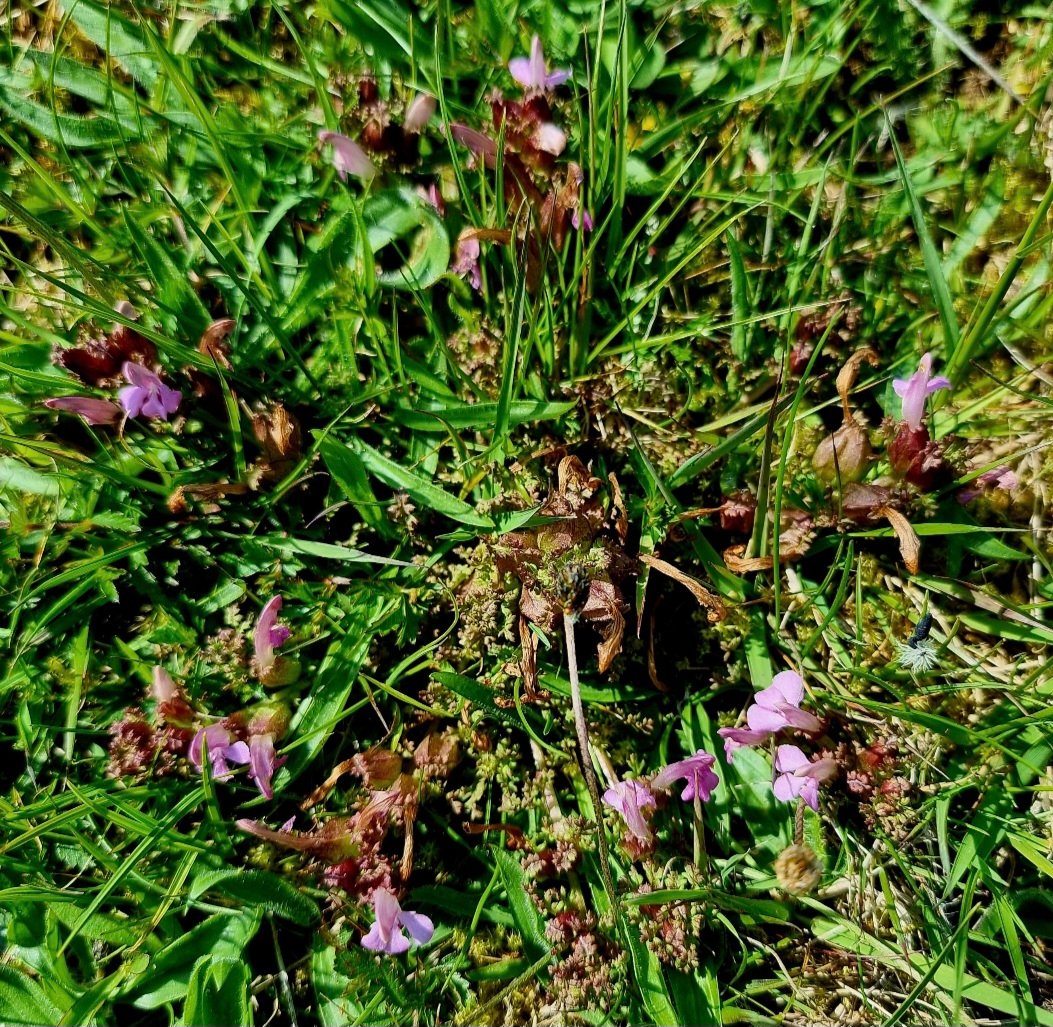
[(844, 455), (798, 870)]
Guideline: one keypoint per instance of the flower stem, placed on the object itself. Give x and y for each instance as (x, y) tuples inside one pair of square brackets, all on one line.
[(798, 823), (585, 753)]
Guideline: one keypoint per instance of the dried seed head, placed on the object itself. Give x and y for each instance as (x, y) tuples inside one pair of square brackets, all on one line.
[(798, 870)]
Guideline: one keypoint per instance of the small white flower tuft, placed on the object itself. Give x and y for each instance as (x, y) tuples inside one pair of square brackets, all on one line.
[(917, 656)]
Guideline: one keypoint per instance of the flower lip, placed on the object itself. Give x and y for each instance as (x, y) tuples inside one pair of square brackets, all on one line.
[(531, 73), (631, 799), (913, 391), (697, 770), (146, 394), (387, 934)]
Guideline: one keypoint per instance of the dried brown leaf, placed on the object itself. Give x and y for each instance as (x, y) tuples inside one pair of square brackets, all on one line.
[(715, 611)]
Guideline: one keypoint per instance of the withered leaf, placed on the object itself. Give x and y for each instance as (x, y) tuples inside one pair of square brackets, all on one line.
[(715, 610)]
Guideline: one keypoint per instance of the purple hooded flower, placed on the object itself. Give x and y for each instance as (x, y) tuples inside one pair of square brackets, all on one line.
[(774, 708), (630, 799), (387, 934), (1000, 478), (94, 411), (913, 391), (697, 770), (348, 157), (799, 777), (466, 262), (418, 112), (531, 73), (222, 750), (146, 394)]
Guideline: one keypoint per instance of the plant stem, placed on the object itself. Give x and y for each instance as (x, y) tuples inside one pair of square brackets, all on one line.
[(798, 824), (585, 753)]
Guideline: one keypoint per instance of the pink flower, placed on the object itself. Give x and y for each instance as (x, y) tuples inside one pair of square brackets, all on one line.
[(387, 935), (737, 737), (263, 763), (799, 777), (433, 198), (94, 411), (531, 73), (1000, 478), (697, 770), (222, 750), (268, 636), (466, 262), (774, 708), (913, 391), (581, 219), (348, 157), (631, 799), (418, 112), (146, 394)]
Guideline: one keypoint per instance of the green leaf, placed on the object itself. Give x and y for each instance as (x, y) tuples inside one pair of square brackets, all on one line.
[(168, 974), (525, 914), (259, 889), (476, 694), (19, 477), (422, 491), (73, 131), (477, 415), (218, 993), (22, 1000), (941, 292), (652, 983), (740, 297), (403, 218), (320, 710)]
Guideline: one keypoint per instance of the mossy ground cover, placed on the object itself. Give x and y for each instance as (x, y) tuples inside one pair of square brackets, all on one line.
[(402, 403)]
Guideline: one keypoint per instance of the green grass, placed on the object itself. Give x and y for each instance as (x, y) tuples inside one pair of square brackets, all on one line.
[(773, 186)]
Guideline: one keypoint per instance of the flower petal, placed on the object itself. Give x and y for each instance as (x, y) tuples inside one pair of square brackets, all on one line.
[(420, 927), (788, 759), (788, 684)]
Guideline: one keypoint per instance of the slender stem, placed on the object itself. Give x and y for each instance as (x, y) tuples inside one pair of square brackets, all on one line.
[(585, 753), (798, 824), (699, 848)]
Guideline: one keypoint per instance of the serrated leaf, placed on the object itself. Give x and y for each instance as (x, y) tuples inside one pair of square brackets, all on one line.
[(260, 889)]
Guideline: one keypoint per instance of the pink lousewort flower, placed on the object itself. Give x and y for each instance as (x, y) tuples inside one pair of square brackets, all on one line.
[(1000, 478), (269, 635), (348, 157), (913, 391), (94, 411), (631, 799), (798, 777), (387, 934), (697, 770), (466, 262), (146, 394), (531, 73), (222, 750), (774, 708), (418, 112)]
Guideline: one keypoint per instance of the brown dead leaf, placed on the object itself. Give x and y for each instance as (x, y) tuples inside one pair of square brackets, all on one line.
[(909, 543), (848, 374), (715, 610)]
